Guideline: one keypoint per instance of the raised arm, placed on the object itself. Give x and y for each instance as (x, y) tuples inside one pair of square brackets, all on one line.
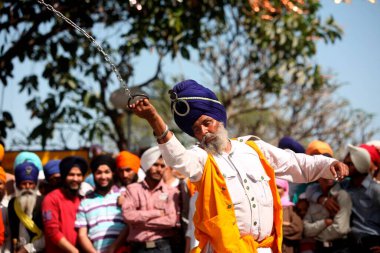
[(144, 109)]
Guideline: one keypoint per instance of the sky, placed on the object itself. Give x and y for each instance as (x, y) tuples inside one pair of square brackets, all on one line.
[(354, 60)]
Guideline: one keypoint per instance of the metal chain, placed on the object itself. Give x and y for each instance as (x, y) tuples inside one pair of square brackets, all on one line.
[(90, 38)]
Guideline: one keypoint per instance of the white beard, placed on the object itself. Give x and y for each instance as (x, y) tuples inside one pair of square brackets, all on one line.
[(27, 200), (219, 142)]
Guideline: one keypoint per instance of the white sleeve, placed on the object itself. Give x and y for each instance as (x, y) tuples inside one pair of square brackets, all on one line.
[(189, 163), (295, 167)]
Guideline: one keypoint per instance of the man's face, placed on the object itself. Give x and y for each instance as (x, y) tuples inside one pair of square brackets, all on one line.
[(351, 167), (27, 195), (204, 125), (54, 180), (281, 191), (211, 133), (27, 185), (74, 179), (126, 175), (157, 170), (103, 177)]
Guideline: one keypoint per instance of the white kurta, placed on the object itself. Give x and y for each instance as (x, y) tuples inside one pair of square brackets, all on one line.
[(246, 179)]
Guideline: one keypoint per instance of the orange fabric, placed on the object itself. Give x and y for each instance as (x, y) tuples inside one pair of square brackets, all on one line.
[(3, 176), (126, 159), (215, 220), (1, 152), (319, 148), (2, 228), (191, 187)]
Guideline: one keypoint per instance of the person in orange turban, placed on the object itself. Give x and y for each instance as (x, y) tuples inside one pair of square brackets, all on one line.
[(127, 167), (319, 148)]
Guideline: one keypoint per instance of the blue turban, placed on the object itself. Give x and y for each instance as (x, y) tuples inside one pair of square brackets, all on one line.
[(28, 156), (201, 101), (289, 143), (26, 171), (51, 167)]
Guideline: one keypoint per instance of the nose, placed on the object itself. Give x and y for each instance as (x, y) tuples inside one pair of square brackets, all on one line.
[(77, 178), (204, 130), (28, 185)]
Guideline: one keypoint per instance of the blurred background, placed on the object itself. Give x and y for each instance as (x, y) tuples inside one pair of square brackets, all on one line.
[(305, 69)]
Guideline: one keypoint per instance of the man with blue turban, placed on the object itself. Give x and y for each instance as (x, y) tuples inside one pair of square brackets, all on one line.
[(238, 207), (24, 210)]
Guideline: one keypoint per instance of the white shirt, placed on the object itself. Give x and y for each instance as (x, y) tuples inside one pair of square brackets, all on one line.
[(247, 182)]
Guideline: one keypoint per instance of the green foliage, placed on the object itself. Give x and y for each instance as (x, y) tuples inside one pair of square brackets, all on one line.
[(80, 81)]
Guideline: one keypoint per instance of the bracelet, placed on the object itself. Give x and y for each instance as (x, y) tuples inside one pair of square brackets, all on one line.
[(163, 134)]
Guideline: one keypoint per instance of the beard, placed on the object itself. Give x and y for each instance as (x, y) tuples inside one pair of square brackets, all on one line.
[(106, 188), (218, 143), (27, 199)]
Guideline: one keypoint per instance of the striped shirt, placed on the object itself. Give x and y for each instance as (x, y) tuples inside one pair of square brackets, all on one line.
[(102, 217)]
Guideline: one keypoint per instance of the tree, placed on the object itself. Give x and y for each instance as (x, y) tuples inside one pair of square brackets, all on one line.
[(72, 67), (270, 86), (255, 57)]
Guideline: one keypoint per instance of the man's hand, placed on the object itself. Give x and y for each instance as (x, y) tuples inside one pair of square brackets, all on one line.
[(339, 170), (328, 222), (144, 109), (331, 204)]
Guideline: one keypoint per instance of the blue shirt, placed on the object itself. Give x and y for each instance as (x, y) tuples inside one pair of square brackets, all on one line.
[(365, 215)]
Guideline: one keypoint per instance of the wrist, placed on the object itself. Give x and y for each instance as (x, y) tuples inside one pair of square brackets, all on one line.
[(163, 134)]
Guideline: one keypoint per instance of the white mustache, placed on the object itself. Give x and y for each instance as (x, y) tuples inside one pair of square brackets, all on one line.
[(208, 135), (26, 192)]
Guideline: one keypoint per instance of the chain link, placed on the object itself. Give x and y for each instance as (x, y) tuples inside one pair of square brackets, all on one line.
[(90, 38)]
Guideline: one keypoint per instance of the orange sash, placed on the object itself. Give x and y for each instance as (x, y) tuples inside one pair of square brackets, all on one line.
[(215, 220)]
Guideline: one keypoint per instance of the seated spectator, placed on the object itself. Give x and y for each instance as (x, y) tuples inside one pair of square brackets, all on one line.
[(302, 206), (329, 229), (292, 225), (327, 220), (99, 220)]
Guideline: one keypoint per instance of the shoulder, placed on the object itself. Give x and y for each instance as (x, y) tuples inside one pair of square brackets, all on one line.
[(135, 186), (343, 195), (53, 195), (248, 138)]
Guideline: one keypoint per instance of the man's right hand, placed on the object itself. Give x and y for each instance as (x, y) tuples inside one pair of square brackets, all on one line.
[(144, 109), (331, 204)]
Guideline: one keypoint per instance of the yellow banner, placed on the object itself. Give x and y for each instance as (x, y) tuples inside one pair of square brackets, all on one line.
[(45, 156)]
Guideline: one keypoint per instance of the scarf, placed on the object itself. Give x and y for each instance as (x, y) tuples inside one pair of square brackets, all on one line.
[(27, 221)]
